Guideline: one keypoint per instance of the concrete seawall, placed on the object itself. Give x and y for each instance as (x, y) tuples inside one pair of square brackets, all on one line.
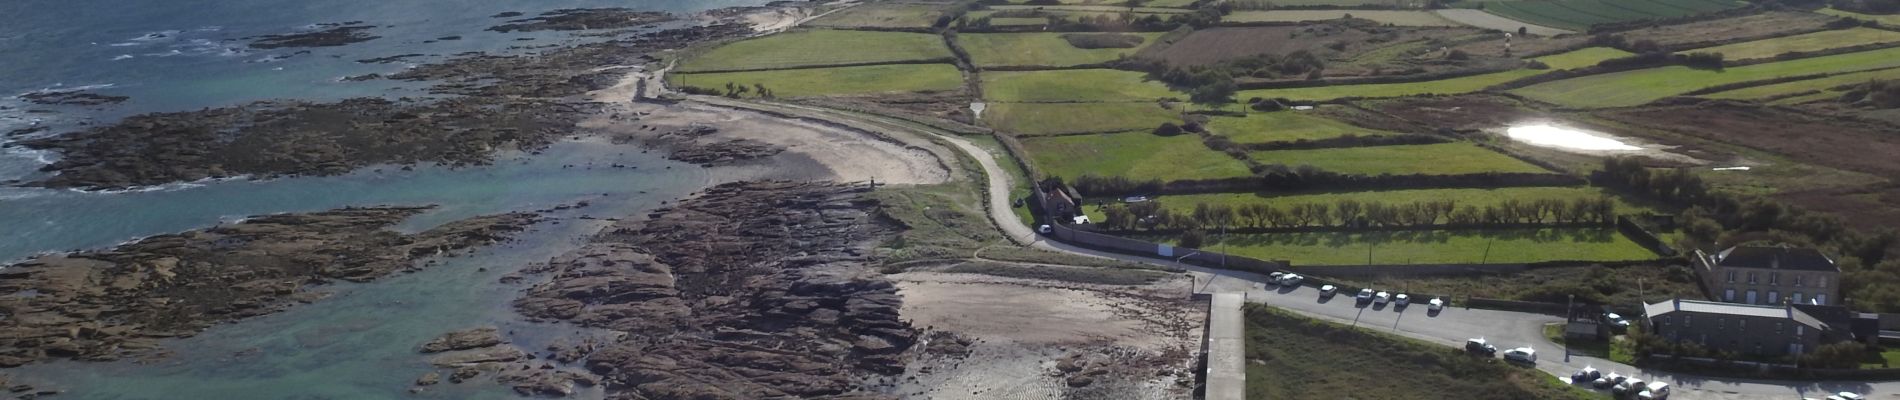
[(1226, 348)]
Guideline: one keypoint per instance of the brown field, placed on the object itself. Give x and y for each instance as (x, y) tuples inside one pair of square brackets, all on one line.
[(1869, 208), (1477, 111), (1758, 26), (1210, 46), (1798, 137)]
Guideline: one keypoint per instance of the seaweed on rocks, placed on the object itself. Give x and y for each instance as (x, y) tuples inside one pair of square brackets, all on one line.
[(750, 290), (72, 98), (560, 72), (110, 304), (327, 35), (575, 19)]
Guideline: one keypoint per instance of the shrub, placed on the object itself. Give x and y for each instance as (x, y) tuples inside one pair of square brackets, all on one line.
[(1193, 239), (1168, 129), (1102, 40), (1702, 60), (1539, 65), (1458, 55)]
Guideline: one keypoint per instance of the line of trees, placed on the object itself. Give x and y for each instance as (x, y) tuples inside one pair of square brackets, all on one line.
[(1353, 214)]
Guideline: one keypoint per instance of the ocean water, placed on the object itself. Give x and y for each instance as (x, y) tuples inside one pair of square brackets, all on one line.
[(171, 55)]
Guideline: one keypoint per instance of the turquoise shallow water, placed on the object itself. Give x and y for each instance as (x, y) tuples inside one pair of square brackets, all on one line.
[(184, 54)]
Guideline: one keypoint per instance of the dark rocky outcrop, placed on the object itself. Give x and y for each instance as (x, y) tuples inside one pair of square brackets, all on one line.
[(463, 340), (575, 19), (723, 153), (751, 290), (110, 304), (326, 35), (72, 98)]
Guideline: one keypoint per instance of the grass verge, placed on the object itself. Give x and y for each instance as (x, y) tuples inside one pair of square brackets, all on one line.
[(1294, 357), (808, 82)]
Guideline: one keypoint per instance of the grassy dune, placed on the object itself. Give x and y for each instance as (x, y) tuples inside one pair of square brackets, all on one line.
[(836, 81)]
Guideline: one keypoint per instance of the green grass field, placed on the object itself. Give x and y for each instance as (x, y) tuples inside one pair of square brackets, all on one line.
[(836, 81), (1631, 88), (1429, 159), (1152, 3), (1036, 119), (1395, 17), (883, 15), (1821, 84), (1097, 8), (1073, 85), (1295, 357), (1575, 59), (1807, 42), (1893, 19), (1463, 197), (819, 47), (1038, 49), (1135, 155), (1579, 15), (1434, 247), (1283, 126)]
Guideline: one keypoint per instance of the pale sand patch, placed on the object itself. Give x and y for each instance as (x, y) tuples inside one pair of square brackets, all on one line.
[(850, 155), (1020, 313)]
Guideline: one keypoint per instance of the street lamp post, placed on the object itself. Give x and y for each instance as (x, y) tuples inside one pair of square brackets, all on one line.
[(1570, 312)]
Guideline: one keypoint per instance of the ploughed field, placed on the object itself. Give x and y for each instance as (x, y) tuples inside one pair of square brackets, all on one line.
[(1574, 59)]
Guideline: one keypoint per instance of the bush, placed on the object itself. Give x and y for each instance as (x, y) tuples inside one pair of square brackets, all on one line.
[(1102, 40), (1538, 65), (1702, 60), (1168, 129), (1193, 239), (1459, 55)]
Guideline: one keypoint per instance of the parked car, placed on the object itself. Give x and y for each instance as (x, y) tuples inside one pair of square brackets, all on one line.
[(1585, 375), (1328, 290), (1845, 396), (1381, 298), (1402, 299), (1437, 304), (1044, 229), (1521, 354), (1291, 279), (1365, 295), (1478, 346), (1628, 387), (1655, 391), (1608, 380), (1616, 320)]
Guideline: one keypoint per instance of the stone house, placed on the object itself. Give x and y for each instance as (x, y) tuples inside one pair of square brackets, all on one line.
[(1770, 275), (1742, 328)]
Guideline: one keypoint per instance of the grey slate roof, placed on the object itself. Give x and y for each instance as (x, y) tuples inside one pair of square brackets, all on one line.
[(1710, 307), (1776, 258)]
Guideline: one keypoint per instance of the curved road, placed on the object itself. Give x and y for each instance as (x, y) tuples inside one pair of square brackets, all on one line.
[(1450, 327)]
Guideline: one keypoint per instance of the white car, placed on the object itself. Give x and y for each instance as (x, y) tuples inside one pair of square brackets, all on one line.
[(1291, 279), (1274, 278), (1521, 354), (1402, 299), (1436, 304), (1629, 386), (1328, 290), (1655, 391), (1364, 295), (1382, 297), (1845, 396), (1617, 320)]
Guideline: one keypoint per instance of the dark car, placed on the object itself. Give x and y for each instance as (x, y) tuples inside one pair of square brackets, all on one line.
[(1478, 346)]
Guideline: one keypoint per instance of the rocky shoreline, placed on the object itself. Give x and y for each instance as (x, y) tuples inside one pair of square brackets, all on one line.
[(575, 19), (518, 102), (749, 290), (118, 303), (328, 35)]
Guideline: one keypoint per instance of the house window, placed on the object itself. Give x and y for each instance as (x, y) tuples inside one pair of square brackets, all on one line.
[(1688, 321), (1820, 281), (1751, 278), (1779, 327), (1731, 276), (1774, 278), (1820, 299), (1800, 330), (1751, 297), (1774, 297), (1797, 279), (1728, 295), (1797, 297)]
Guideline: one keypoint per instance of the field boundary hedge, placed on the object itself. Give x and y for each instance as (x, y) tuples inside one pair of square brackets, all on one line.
[(1648, 22), (1386, 79), (1341, 182), (1345, 141)]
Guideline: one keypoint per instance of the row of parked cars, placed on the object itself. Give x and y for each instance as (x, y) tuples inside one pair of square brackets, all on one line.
[(1621, 386), (1365, 295)]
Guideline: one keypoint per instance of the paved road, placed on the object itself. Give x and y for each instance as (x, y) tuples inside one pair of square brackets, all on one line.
[(1450, 327)]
